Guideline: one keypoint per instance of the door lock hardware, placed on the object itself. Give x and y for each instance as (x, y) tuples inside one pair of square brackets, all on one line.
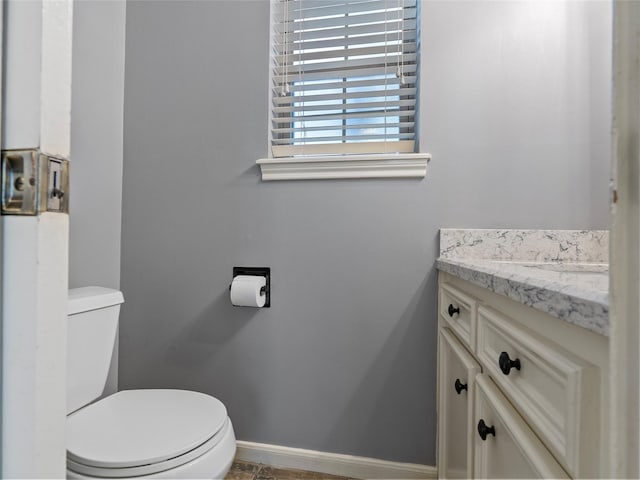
[(33, 183), (58, 184), (19, 184)]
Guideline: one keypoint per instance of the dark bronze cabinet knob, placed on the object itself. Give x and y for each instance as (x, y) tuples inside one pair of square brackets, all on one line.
[(459, 386), (484, 430), (506, 364)]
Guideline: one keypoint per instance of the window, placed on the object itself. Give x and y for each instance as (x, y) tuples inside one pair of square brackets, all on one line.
[(344, 78)]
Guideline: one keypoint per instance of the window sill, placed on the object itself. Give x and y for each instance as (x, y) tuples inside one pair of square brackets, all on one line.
[(393, 165)]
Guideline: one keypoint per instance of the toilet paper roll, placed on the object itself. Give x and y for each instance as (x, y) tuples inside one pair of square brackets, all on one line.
[(245, 291)]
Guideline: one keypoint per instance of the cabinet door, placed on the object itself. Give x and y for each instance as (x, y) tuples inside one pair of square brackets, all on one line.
[(556, 392), (456, 371), (505, 446)]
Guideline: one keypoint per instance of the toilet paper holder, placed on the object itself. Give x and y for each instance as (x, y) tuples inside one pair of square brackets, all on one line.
[(259, 272)]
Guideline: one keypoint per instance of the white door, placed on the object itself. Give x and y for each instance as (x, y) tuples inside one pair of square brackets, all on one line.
[(35, 115)]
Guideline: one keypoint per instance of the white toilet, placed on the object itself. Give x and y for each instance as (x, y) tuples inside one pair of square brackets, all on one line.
[(133, 433)]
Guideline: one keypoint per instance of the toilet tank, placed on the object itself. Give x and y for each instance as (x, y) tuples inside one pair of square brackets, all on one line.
[(91, 333)]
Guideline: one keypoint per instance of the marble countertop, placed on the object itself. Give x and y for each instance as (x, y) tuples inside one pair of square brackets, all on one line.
[(563, 273)]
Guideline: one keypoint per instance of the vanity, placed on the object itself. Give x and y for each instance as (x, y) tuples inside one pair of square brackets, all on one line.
[(523, 354)]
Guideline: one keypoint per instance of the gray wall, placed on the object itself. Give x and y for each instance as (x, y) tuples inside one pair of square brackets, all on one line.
[(515, 112), (97, 105), (97, 109)]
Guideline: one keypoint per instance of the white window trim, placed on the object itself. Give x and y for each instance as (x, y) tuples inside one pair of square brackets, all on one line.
[(389, 165)]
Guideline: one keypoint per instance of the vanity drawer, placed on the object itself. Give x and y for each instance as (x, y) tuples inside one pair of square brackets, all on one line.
[(458, 311), (554, 390)]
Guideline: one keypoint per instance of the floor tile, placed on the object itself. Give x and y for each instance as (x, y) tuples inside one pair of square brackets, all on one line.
[(242, 471), (253, 471), (273, 473)]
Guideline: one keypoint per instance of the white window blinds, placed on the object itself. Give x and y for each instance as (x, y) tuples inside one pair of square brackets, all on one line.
[(344, 76)]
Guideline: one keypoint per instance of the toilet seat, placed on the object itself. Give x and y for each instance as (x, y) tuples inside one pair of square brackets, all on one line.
[(141, 432)]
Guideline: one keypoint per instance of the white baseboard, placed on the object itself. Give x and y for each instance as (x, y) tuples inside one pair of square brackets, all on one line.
[(331, 463)]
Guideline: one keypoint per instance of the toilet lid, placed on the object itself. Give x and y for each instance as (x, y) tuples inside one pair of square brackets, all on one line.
[(139, 427)]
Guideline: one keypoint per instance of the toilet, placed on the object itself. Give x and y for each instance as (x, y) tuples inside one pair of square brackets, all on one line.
[(161, 433)]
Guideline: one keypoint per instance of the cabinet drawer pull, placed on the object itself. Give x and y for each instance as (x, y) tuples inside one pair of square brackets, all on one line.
[(459, 386), (506, 364), (452, 310), (483, 430)]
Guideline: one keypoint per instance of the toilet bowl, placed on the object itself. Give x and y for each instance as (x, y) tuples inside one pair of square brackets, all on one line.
[(159, 433)]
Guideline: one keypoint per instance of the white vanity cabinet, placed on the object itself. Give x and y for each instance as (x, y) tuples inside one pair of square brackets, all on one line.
[(535, 390)]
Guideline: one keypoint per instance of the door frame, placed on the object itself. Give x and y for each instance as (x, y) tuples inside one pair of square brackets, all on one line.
[(625, 244)]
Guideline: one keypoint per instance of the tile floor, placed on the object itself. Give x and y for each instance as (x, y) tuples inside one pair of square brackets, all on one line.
[(255, 471)]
